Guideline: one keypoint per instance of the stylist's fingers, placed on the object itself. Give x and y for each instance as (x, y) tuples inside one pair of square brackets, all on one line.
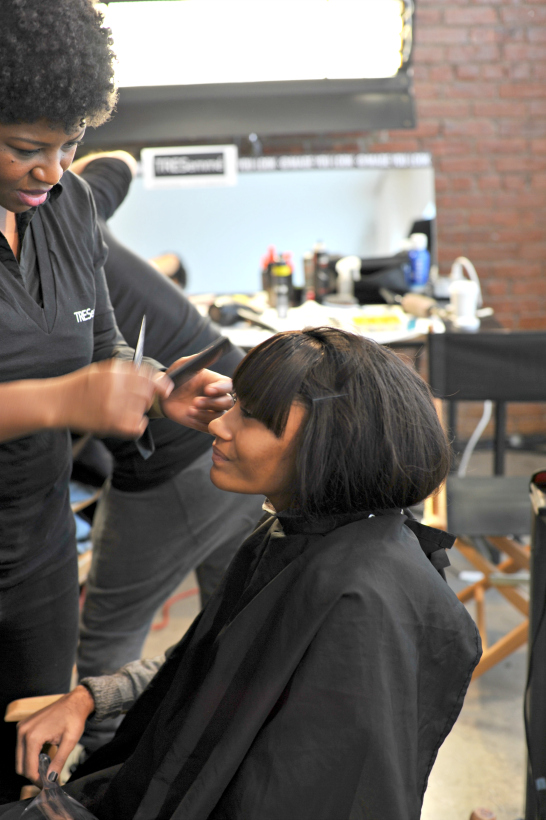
[(111, 397), (163, 385), (198, 401)]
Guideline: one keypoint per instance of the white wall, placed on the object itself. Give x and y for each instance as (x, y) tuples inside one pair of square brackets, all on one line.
[(222, 233)]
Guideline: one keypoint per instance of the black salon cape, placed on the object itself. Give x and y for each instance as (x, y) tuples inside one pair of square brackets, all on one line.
[(318, 684)]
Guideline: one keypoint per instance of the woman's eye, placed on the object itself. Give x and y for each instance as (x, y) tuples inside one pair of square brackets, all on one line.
[(71, 145), (244, 413), (24, 153)]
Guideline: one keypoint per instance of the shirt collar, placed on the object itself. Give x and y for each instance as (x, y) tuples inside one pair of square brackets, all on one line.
[(23, 219)]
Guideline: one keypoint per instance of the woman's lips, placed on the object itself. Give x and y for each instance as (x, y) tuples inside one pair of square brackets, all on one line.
[(32, 198), (217, 456)]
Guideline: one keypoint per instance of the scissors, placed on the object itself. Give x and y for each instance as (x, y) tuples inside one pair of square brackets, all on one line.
[(139, 349), (145, 444)]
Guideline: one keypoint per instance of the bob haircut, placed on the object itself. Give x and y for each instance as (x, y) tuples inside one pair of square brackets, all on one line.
[(56, 63), (371, 439)]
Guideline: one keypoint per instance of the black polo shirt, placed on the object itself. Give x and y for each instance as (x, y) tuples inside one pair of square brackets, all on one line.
[(71, 325)]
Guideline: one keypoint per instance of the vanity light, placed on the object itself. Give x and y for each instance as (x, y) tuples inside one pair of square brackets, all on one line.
[(195, 42)]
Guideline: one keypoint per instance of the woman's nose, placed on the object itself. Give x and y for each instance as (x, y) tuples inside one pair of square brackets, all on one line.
[(220, 427), (49, 171)]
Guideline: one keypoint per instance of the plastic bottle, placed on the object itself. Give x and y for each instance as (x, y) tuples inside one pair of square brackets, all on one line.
[(419, 267)]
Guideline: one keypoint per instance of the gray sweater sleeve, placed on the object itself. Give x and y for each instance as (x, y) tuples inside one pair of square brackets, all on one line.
[(115, 694)]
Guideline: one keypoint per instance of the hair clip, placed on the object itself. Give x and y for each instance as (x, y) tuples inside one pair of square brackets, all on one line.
[(323, 398)]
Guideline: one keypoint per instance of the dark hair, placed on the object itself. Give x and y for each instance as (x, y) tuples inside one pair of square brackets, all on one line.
[(56, 63), (371, 439)]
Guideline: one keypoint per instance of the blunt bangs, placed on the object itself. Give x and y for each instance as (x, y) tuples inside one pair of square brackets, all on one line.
[(269, 378)]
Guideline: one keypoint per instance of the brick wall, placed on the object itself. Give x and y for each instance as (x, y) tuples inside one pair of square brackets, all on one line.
[(480, 85)]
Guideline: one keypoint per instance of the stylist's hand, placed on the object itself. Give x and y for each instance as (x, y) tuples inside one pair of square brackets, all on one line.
[(198, 401), (61, 724), (111, 398)]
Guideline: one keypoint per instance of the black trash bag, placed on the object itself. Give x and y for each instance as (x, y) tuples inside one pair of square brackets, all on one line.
[(52, 803)]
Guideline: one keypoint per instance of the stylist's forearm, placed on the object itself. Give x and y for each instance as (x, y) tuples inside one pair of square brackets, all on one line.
[(28, 406)]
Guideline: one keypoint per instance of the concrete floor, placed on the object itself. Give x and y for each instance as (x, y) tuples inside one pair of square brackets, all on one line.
[(482, 762)]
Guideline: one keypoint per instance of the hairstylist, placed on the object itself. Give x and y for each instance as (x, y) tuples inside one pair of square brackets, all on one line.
[(55, 319)]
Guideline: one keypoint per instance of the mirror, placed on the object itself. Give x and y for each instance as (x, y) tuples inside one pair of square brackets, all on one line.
[(221, 234)]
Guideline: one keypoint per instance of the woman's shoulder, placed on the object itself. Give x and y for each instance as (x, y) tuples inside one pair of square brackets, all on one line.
[(371, 557)]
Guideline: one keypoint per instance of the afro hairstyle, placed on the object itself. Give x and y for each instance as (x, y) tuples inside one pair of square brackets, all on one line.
[(56, 63)]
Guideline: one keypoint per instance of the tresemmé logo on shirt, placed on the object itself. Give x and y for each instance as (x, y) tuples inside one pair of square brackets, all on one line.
[(84, 315)]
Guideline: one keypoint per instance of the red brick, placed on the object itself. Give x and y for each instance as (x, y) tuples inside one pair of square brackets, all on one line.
[(403, 145), (424, 16), (501, 108), (514, 181), (468, 202), (502, 146), (462, 183), (526, 285), (523, 51), (428, 53), (468, 71), (522, 90), (421, 72), (426, 91), (441, 73), (529, 199), (448, 148), (494, 71), (516, 34), (519, 71), (538, 146), (527, 163), (517, 14), (476, 54), (471, 16), (441, 34), (511, 269), (533, 323), (535, 251), (494, 218), (527, 306), (539, 70), (466, 163), (486, 35), (494, 288), (523, 235), (443, 108), (489, 182), (539, 181), (476, 90), (537, 108), (425, 129), (536, 35), (471, 128), (524, 201), (526, 128)]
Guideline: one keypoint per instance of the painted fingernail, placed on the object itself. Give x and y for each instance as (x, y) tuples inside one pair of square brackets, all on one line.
[(53, 776)]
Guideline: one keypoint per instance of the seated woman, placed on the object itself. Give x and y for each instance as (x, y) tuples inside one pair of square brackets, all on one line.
[(324, 674)]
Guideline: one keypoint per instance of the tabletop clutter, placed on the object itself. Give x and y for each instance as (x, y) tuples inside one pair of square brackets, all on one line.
[(386, 298)]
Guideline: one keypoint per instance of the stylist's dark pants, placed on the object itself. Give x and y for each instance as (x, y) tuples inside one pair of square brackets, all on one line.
[(38, 638)]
